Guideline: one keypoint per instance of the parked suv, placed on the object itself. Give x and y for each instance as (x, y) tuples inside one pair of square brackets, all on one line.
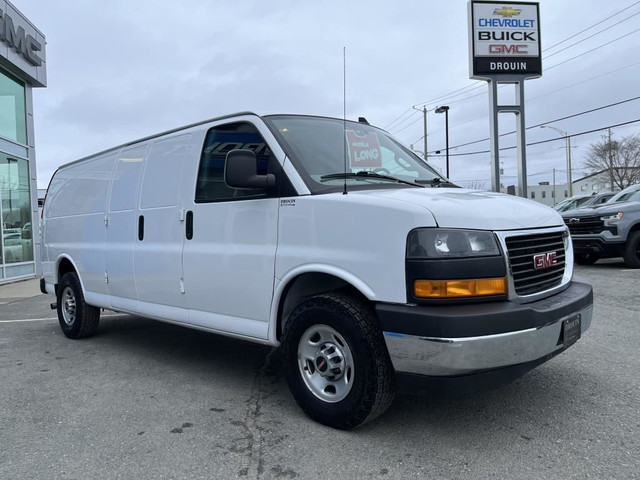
[(608, 230)]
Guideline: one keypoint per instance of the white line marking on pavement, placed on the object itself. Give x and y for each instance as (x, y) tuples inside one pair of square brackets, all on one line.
[(28, 320), (56, 318)]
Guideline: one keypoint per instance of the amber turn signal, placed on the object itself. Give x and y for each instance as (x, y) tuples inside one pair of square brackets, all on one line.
[(473, 287)]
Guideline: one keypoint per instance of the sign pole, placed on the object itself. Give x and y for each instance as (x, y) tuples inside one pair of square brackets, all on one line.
[(522, 141), (504, 48), (495, 140)]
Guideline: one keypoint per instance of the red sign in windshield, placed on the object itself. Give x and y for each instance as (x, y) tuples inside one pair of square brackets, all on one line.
[(364, 150)]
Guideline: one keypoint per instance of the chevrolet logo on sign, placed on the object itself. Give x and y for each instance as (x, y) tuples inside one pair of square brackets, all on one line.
[(506, 12)]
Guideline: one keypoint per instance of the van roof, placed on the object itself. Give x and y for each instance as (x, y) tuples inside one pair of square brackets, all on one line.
[(150, 137)]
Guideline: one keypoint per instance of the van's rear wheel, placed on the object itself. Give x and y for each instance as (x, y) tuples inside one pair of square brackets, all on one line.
[(336, 362), (77, 319)]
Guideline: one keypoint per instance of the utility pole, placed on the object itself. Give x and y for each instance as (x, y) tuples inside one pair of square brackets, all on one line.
[(554, 187), (610, 161), (424, 113), (569, 173)]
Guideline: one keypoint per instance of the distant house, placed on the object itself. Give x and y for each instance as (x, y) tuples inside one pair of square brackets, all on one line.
[(545, 193), (595, 183)]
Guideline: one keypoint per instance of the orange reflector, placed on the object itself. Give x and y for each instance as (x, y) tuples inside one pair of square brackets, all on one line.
[(474, 287)]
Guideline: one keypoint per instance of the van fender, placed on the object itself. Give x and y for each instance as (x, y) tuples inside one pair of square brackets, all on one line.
[(281, 286), (56, 278)]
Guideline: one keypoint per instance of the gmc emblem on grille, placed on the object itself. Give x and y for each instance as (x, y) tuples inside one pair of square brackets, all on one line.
[(544, 260)]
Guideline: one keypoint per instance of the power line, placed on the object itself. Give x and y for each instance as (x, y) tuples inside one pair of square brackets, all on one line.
[(593, 35), (592, 26), (553, 121), (594, 49), (408, 125), (458, 124), (543, 141), (476, 85), (408, 110)]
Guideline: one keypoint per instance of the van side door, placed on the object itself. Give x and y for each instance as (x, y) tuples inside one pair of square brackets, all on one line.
[(160, 230), (121, 228), (231, 238)]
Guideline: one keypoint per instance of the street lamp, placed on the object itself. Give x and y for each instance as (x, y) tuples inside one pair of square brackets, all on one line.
[(568, 154), (445, 109)]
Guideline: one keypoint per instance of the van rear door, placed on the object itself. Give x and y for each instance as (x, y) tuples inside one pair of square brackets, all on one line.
[(121, 228)]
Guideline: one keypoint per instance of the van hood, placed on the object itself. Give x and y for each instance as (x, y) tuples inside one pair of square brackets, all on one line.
[(475, 209)]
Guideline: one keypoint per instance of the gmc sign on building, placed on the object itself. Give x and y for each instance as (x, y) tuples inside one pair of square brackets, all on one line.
[(505, 39)]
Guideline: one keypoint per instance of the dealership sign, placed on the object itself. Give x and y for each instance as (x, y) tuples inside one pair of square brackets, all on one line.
[(504, 39), (16, 38)]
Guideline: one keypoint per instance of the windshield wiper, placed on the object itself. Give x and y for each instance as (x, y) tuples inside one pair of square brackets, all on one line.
[(363, 174)]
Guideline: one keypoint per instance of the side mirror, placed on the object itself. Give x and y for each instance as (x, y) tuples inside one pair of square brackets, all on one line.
[(241, 171)]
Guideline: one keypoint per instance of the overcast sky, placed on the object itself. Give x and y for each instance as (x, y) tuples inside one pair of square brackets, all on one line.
[(124, 69)]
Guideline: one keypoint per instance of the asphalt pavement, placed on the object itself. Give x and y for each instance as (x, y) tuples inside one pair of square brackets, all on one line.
[(148, 400)]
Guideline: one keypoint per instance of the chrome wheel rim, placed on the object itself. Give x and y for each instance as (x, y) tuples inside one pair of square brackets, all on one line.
[(68, 306), (326, 363)]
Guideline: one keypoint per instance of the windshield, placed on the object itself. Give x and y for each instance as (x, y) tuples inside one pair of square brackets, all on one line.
[(570, 204), (631, 194), (317, 147)]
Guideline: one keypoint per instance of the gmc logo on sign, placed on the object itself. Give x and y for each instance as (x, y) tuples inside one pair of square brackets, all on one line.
[(544, 260)]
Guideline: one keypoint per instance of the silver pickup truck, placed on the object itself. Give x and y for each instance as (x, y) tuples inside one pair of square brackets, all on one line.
[(608, 230)]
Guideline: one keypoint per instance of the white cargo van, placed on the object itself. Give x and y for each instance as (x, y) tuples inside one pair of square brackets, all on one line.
[(326, 238)]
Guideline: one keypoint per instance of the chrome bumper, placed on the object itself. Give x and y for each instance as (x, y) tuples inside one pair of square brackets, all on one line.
[(435, 356)]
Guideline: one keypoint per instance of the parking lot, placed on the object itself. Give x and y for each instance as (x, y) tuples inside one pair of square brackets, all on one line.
[(143, 399)]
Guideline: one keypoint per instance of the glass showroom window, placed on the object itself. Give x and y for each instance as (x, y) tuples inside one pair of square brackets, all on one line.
[(17, 233), (13, 119)]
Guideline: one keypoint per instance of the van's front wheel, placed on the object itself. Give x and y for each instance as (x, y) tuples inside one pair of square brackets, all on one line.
[(77, 319), (336, 362)]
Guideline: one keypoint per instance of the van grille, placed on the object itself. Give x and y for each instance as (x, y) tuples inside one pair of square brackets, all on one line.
[(584, 225), (548, 250)]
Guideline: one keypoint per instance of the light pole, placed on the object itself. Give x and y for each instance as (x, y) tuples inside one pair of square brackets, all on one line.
[(445, 109), (568, 154)]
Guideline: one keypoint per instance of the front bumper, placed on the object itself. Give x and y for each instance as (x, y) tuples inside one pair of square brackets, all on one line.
[(458, 340), (599, 245)]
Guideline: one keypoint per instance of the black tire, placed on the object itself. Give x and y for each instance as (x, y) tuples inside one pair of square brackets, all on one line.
[(586, 258), (632, 250), (337, 327), (77, 319)]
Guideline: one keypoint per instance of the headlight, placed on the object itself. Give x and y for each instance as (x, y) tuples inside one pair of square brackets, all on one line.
[(450, 243), (615, 216)]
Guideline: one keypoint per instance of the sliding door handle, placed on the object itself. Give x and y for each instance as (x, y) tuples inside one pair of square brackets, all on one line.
[(141, 227), (189, 225)]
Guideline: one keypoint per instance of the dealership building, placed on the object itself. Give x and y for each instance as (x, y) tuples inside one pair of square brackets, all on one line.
[(22, 68)]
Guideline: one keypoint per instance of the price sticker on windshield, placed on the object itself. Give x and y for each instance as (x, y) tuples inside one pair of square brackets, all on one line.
[(364, 150)]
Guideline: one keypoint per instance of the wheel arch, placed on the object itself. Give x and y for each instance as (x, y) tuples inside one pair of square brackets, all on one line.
[(64, 265), (309, 282), (635, 227)]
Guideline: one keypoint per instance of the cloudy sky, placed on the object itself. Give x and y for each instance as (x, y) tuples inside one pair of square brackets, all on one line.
[(124, 69)]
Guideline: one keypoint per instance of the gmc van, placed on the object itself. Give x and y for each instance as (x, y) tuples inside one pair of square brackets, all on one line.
[(325, 237)]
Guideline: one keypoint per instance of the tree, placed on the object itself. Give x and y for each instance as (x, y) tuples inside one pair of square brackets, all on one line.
[(621, 159), (477, 185)]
